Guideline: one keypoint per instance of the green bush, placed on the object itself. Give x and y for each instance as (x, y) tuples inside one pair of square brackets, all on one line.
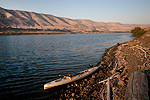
[(137, 32)]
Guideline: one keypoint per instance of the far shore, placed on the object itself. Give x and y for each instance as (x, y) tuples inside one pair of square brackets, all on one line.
[(22, 31), (56, 33)]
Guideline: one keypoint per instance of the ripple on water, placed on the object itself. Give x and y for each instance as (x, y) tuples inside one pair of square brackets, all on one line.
[(28, 62)]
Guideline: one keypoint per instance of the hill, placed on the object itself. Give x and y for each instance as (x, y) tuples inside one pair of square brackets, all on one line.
[(32, 20)]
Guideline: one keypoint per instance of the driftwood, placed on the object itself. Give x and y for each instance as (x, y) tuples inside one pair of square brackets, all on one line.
[(108, 89), (120, 67), (116, 65), (101, 89), (137, 88), (110, 64), (108, 86), (111, 77), (139, 47), (143, 51), (124, 59), (124, 44), (145, 64), (103, 94)]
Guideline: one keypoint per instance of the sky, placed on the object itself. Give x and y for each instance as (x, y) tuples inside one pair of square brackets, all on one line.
[(123, 11)]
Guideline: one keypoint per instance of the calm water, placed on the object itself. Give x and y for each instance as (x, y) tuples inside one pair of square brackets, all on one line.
[(27, 62)]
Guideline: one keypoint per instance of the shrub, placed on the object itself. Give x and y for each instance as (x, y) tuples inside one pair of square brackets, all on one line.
[(137, 32)]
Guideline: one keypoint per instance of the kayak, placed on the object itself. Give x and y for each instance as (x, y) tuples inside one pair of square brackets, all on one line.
[(68, 79)]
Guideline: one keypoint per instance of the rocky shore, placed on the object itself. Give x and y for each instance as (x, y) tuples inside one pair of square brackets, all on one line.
[(118, 63)]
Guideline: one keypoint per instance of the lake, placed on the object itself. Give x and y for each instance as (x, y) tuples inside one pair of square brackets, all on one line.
[(27, 62)]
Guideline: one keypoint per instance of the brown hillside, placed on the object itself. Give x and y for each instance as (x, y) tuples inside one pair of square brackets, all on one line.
[(24, 19)]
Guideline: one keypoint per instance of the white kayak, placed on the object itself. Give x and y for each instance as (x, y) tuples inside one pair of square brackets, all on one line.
[(67, 79)]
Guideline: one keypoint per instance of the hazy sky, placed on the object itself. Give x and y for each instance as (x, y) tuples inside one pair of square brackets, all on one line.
[(124, 11)]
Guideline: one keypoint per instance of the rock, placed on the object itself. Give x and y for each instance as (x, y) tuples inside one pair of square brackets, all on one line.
[(124, 72), (102, 62), (124, 77), (73, 94), (120, 82), (67, 91), (93, 76), (118, 77), (80, 84), (77, 96), (113, 71), (68, 86), (117, 44), (76, 84), (60, 98), (88, 82), (65, 95), (83, 83), (71, 99)]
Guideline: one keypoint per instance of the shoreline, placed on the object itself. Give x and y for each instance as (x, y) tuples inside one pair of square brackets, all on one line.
[(121, 60), (56, 33), (32, 31)]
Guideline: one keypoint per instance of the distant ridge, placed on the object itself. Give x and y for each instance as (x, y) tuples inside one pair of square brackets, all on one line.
[(24, 19)]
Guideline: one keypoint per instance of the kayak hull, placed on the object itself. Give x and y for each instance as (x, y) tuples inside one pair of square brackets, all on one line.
[(67, 80)]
